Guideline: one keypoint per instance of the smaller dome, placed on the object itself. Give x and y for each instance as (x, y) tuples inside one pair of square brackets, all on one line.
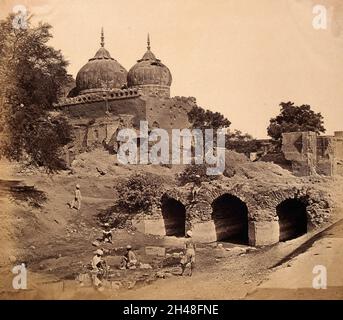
[(101, 72), (149, 71)]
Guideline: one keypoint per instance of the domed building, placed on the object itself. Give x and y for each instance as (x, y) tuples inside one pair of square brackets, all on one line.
[(106, 98), (101, 73), (150, 75)]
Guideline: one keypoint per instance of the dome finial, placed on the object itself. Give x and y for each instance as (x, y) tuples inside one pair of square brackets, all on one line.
[(148, 42), (102, 37)]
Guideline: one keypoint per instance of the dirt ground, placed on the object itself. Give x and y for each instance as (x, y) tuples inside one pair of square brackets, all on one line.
[(55, 242)]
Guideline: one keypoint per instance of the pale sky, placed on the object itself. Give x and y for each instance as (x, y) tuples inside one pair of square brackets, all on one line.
[(238, 57)]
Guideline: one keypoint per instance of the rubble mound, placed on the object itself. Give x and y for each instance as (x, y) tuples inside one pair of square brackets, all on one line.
[(242, 167), (100, 162)]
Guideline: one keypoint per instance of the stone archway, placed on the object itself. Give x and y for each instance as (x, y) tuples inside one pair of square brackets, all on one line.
[(292, 215), (174, 216), (230, 217)]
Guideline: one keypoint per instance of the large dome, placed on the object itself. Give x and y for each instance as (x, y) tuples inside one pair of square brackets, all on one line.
[(101, 72), (149, 71)]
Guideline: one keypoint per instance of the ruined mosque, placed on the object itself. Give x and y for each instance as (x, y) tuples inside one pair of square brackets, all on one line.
[(107, 98)]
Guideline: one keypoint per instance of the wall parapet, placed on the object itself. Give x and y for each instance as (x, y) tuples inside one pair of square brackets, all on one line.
[(106, 95)]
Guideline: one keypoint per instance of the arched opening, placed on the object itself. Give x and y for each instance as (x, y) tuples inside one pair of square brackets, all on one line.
[(230, 216), (174, 216), (292, 218)]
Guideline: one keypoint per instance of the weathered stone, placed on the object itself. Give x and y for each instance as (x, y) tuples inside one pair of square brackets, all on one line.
[(150, 226), (312, 154), (155, 251), (263, 233)]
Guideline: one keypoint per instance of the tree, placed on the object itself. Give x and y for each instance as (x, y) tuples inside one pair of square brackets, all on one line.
[(206, 119), (202, 119), (242, 143), (294, 118), (32, 76)]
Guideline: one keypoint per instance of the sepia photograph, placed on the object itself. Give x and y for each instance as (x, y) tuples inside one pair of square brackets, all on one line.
[(173, 150)]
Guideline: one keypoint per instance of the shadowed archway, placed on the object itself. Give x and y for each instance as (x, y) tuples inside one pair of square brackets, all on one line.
[(230, 217), (174, 216), (292, 218)]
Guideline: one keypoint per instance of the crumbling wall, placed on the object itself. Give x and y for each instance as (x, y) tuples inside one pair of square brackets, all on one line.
[(96, 122), (338, 153), (261, 200), (155, 90), (301, 149), (135, 107), (94, 133), (325, 154), (169, 113), (312, 154)]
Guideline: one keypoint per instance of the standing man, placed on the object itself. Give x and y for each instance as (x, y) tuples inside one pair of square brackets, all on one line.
[(77, 198), (188, 260)]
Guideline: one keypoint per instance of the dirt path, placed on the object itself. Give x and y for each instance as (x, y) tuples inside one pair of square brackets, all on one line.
[(237, 277), (296, 280)]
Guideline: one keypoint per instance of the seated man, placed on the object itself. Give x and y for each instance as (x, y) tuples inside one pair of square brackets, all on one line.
[(107, 233), (129, 261), (97, 262), (99, 268)]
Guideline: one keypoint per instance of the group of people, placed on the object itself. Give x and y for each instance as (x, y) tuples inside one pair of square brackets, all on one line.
[(99, 266), (129, 260)]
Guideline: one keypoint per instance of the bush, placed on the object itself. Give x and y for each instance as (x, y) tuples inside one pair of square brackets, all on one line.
[(140, 192), (48, 135)]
